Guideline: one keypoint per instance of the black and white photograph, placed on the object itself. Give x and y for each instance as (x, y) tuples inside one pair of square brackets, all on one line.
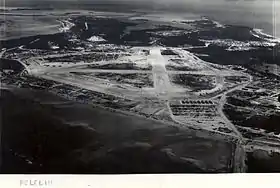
[(118, 87)]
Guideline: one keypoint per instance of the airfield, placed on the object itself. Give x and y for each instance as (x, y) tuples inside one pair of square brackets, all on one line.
[(168, 84)]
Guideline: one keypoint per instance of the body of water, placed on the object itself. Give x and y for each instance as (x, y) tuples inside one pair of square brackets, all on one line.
[(260, 14)]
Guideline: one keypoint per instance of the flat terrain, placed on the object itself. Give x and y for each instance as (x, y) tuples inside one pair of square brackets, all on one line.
[(43, 133), (180, 94)]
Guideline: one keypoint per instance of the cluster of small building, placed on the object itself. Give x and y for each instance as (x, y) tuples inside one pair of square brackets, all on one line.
[(199, 102), (195, 109)]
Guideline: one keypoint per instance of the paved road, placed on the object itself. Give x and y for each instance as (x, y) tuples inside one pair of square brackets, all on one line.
[(162, 88), (162, 83), (78, 69), (240, 151), (223, 101)]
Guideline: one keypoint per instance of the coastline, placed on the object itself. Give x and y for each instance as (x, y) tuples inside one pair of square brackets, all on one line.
[(58, 28)]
